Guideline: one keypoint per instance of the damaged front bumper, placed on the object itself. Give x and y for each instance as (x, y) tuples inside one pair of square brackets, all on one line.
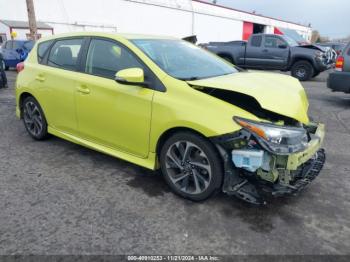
[(285, 174)]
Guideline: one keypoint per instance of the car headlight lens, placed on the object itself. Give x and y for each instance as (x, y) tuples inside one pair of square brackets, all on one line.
[(277, 139)]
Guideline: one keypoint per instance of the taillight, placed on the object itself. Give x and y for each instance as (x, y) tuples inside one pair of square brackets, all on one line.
[(339, 64), (20, 67)]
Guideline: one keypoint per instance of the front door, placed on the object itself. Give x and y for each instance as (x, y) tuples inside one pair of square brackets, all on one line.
[(274, 53), (112, 114)]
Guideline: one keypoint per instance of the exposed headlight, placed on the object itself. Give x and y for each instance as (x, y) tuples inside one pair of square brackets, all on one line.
[(277, 139)]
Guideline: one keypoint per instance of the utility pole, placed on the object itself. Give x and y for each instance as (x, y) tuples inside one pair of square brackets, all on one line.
[(31, 19)]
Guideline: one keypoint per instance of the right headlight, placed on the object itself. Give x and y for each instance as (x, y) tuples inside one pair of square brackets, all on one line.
[(277, 139)]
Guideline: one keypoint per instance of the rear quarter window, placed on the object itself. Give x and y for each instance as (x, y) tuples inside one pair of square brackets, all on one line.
[(256, 41), (42, 49)]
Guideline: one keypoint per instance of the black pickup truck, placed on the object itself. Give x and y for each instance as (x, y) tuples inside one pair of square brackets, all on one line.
[(275, 52)]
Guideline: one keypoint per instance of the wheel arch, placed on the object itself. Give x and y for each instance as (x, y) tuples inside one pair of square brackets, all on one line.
[(171, 131), (21, 99), (301, 58)]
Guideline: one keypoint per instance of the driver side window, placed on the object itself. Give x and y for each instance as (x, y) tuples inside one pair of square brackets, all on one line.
[(273, 42), (105, 58)]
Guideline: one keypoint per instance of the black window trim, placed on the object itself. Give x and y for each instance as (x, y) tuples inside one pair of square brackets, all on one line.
[(43, 60), (47, 53), (156, 84)]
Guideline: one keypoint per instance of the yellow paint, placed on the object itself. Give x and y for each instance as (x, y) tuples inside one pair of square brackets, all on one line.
[(127, 121)]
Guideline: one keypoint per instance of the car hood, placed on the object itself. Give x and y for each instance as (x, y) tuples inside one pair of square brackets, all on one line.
[(274, 92)]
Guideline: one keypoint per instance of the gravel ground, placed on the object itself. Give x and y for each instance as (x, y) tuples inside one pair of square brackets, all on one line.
[(60, 198)]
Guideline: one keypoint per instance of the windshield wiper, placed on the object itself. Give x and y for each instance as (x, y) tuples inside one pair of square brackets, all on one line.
[(192, 78)]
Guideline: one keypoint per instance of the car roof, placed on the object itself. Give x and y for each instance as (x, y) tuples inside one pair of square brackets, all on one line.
[(107, 35)]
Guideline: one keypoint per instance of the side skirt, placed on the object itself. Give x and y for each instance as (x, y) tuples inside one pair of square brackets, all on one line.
[(149, 162)]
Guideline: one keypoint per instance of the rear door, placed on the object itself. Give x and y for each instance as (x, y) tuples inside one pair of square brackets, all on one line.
[(274, 52), (111, 114), (57, 79)]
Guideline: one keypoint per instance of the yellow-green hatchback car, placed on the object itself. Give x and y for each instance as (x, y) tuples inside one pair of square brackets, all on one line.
[(164, 103)]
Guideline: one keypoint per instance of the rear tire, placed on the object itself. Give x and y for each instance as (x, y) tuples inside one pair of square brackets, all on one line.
[(302, 70), (191, 166), (34, 119)]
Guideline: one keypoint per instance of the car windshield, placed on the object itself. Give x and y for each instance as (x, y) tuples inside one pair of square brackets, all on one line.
[(290, 41), (183, 60)]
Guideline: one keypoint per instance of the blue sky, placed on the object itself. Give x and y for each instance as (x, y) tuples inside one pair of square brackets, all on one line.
[(330, 17)]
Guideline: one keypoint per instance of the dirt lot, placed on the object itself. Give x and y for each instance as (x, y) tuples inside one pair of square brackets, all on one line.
[(60, 198)]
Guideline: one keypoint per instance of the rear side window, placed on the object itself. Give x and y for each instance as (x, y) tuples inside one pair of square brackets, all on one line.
[(256, 41), (349, 50), (64, 54), (106, 58), (42, 49)]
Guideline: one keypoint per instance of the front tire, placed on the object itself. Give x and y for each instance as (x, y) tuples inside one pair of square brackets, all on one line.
[(302, 70), (191, 166), (34, 119)]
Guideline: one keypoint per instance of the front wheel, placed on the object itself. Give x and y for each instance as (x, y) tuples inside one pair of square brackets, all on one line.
[(191, 166), (34, 119), (302, 70)]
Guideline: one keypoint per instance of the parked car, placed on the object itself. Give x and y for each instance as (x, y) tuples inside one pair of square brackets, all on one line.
[(166, 103), (337, 47), (339, 80), (274, 52), (15, 51)]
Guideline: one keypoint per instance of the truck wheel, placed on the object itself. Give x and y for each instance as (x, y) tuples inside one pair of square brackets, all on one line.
[(302, 70), (191, 166)]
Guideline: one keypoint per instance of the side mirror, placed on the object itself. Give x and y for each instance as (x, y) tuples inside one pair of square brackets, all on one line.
[(283, 46), (131, 76)]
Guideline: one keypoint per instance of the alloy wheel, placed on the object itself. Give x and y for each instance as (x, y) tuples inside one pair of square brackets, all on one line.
[(33, 118), (301, 72), (188, 167)]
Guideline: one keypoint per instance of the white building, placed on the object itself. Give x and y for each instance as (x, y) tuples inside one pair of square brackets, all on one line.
[(178, 18), (22, 29)]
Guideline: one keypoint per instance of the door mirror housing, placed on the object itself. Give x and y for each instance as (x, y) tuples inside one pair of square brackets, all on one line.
[(282, 46), (131, 76)]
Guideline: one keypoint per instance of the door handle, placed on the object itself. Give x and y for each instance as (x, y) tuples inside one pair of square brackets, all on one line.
[(265, 51), (83, 89), (40, 78)]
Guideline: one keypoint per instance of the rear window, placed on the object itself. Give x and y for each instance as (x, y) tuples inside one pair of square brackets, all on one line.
[(64, 54), (256, 41), (28, 45), (17, 45), (42, 49)]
